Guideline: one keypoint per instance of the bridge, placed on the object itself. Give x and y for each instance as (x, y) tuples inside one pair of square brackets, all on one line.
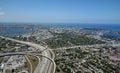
[(45, 53), (30, 54)]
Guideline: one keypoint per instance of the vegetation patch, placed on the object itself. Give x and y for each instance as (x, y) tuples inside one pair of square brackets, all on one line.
[(69, 39)]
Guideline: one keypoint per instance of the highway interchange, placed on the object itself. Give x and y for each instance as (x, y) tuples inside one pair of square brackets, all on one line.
[(46, 54), (47, 64)]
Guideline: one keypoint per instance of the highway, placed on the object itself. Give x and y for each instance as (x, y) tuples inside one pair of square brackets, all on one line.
[(24, 53), (31, 69), (72, 47), (81, 46), (43, 65)]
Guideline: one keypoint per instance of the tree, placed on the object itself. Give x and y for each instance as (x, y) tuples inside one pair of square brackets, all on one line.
[(13, 70)]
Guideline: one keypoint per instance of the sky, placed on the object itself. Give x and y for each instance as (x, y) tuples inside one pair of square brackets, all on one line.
[(60, 11)]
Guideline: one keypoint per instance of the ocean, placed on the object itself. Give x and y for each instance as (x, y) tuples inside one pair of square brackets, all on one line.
[(18, 31), (14, 31), (100, 26)]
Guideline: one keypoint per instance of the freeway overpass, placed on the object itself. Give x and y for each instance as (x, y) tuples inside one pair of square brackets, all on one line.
[(30, 54), (41, 68)]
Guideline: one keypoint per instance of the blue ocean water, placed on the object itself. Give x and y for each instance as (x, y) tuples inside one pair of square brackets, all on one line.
[(14, 31), (85, 25), (112, 35), (18, 31), (101, 26)]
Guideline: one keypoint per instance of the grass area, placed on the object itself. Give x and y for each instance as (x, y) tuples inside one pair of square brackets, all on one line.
[(8, 71), (13, 70), (27, 65), (34, 61), (1, 59)]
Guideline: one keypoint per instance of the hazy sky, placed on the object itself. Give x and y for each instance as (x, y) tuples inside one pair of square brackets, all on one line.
[(60, 11)]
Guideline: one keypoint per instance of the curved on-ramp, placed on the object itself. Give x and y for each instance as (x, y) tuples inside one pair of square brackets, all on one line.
[(41, 68), (22, 53)]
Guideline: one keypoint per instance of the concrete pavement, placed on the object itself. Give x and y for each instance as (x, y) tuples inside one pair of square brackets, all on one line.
[(41, 68)]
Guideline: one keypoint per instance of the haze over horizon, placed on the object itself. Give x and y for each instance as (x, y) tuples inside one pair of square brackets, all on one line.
[(60, 11)]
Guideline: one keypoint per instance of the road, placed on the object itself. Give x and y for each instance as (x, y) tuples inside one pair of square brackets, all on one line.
[(81, 46), (25, 53), (31, 68), (41, 68), (72, 47)]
